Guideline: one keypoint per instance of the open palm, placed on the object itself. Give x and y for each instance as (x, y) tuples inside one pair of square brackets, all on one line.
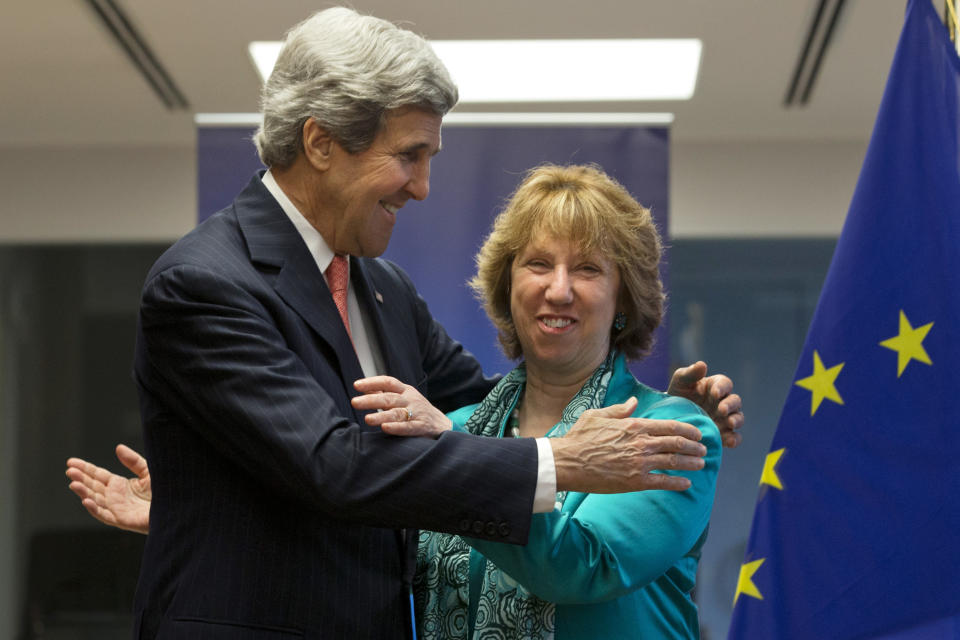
[(112, 499)]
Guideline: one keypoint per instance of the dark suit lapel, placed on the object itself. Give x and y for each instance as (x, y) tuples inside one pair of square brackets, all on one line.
[(380, 301), (277, 248)]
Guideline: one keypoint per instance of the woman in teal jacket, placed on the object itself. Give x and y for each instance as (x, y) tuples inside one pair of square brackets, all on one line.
[(570, 277), (598, 566)]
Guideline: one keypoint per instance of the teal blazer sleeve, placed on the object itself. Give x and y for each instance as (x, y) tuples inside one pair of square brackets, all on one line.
[(601, 546)]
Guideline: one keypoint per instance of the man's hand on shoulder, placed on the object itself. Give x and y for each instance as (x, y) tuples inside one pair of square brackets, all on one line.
[(608, 451), (714, 394)]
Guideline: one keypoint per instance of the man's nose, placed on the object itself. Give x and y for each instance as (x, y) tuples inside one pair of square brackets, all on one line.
[(419, 185)]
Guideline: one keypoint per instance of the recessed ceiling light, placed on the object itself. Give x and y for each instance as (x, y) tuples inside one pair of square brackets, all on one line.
[(489, 71)]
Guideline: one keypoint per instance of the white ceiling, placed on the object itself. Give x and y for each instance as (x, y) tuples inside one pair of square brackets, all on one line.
[(66, 82)]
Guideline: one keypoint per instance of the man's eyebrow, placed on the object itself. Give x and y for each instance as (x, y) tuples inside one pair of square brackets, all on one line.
[(419, 146)]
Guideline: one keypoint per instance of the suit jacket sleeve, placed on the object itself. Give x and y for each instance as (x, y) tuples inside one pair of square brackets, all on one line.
[(214, 353)]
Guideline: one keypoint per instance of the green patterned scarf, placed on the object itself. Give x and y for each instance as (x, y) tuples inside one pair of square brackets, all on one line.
[(447, 568)]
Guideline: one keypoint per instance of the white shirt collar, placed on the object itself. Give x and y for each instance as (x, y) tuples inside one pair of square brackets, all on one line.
[(322, 254)]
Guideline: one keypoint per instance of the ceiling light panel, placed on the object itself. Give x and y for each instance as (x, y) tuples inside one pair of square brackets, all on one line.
[(498, 71), (571, 70)]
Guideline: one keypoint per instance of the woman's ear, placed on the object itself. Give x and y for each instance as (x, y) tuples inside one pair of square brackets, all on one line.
[(317, 144)]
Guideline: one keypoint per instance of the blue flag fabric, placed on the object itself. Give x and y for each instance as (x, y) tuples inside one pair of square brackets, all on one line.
[(856, 532)]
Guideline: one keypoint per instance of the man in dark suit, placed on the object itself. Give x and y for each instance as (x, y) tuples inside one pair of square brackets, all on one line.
[(277, 512)]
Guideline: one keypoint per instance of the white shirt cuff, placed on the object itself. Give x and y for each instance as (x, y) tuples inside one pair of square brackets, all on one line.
[(545, 498)]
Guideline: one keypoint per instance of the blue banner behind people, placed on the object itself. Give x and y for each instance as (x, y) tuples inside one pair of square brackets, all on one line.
[(856, 525), (471, 180)]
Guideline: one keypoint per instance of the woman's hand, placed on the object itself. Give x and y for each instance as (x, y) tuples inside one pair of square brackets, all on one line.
[(714, 395), (399, 409), (114, 500)]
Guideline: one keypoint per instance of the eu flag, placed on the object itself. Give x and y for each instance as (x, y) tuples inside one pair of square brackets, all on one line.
[(856, 532)]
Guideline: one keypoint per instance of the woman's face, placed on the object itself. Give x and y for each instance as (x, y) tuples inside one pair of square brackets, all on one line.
[(562, 302)]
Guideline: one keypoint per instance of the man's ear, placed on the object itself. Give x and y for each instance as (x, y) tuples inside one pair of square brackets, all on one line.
[(317, 144)]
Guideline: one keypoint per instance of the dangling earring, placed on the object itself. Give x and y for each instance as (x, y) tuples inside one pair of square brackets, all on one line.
[(619, 320)]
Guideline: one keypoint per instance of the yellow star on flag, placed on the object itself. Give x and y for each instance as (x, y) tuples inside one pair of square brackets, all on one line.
[(821, 383), (745, 583), (908, 344), (769, 475)]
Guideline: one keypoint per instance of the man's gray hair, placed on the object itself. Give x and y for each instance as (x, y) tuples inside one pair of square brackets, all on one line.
[(346, 71)]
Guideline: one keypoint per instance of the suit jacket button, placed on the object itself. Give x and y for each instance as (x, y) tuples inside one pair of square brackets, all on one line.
[(491, 528), (504, 529), (477, 527), (465, 525)]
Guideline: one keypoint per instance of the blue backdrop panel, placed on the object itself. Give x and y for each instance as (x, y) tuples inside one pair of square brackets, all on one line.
[(435, 240), (226, 160)]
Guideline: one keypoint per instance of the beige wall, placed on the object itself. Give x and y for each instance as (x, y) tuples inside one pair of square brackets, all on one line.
[(751, 189), (96, 194)]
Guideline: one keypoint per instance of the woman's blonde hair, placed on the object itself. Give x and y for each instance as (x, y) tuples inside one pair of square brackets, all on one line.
[(583, 204)]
